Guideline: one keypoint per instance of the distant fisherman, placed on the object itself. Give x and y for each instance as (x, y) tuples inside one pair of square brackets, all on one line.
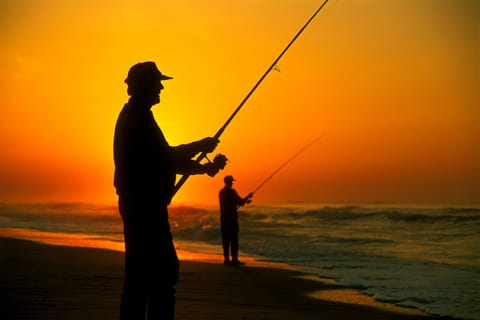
[(229, 202)]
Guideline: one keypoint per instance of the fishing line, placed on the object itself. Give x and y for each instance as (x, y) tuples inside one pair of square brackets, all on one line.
[(287, 162), (184, 178)]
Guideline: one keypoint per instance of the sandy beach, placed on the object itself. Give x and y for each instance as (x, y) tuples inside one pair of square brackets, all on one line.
[(42, 281)]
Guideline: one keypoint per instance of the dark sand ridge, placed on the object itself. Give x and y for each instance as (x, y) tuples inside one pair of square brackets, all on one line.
[(40, 281)]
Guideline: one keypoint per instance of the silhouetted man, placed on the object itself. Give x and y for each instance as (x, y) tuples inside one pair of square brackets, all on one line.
[(229, 202), (145, 172)]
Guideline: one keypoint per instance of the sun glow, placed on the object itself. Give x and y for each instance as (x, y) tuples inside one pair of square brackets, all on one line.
[(393, 86)]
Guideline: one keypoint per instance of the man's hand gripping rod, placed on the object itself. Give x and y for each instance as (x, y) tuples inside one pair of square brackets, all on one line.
[(184, 178)]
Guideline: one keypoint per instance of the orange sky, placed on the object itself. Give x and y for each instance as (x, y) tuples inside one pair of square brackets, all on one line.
[(392, 84)]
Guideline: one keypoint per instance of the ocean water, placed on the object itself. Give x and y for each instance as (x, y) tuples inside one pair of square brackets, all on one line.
[(421, 257)]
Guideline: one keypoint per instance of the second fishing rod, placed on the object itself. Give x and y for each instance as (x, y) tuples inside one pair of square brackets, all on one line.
[(217, 135)]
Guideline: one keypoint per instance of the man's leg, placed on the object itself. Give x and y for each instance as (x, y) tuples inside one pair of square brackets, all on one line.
[(161, 305), (132, 305), (226, 245), (234, 247), (162, 271), (133, 300)]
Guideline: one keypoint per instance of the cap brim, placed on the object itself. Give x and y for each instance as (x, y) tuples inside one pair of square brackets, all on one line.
[(164, 77)]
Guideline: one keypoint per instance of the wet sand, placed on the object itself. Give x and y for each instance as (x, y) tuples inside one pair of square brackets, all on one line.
[(40, 281)]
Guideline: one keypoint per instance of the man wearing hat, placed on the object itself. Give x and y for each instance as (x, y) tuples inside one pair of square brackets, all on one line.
[(229, 202), (145, 172)]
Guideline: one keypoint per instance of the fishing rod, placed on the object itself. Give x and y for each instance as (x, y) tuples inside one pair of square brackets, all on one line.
[(217, 135), (286, 162)]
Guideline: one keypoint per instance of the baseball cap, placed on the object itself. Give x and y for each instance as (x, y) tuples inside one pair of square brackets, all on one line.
[(228, 179), (144, 70)]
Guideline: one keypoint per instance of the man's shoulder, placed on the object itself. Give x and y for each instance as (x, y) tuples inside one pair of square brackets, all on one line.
[(223, 191), (125, 112), (130, 115), (227, 192)]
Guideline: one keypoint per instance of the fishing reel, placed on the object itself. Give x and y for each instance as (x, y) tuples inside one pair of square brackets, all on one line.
[(218, 163)]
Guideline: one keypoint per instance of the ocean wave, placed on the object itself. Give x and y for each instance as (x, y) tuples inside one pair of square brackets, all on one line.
[(407, 215)]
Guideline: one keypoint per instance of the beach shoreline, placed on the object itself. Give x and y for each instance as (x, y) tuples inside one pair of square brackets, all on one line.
[(64, 282)]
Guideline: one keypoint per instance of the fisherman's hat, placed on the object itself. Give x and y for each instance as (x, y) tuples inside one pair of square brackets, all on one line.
[(144, 71), (228, 179)]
